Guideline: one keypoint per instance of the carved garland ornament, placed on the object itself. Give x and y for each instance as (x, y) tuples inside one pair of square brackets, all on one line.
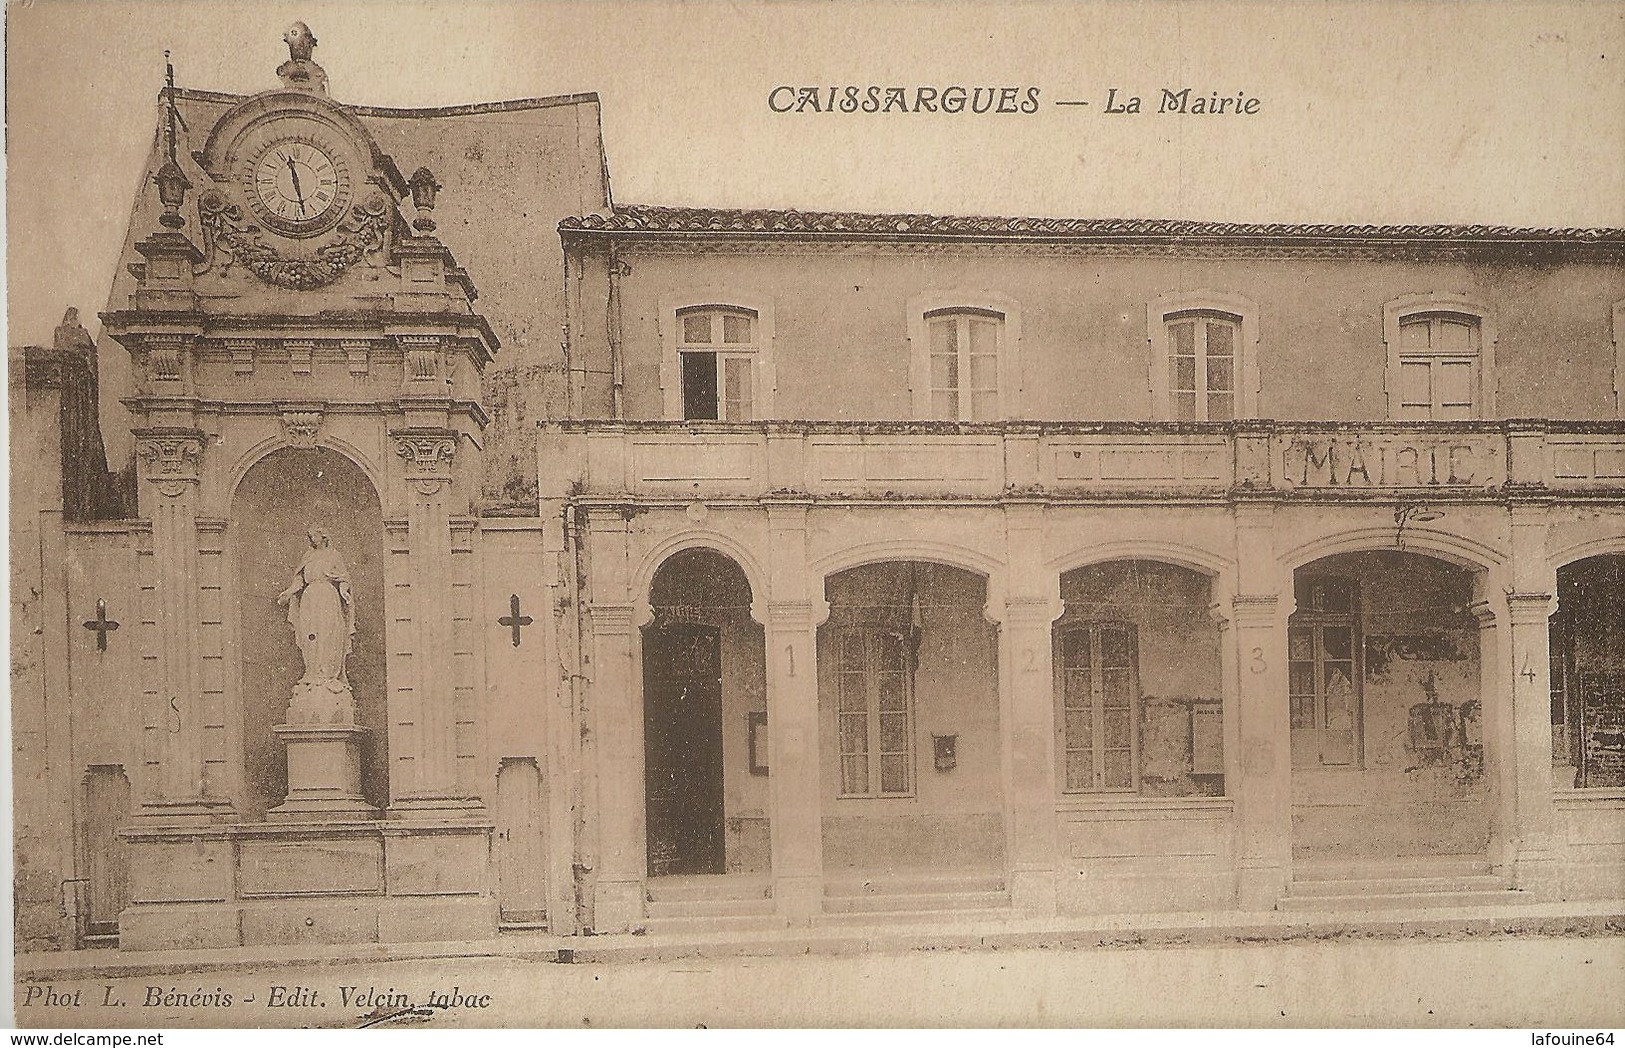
[(362, 234)]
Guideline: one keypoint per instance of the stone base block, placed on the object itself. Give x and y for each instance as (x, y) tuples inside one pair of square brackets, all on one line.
[(617, 906), (1032, 892), (447, 919), (1261, 887), (180, 926), (1165, 891), (1539, 876), (324, 773), (286, 922), (798, 898)]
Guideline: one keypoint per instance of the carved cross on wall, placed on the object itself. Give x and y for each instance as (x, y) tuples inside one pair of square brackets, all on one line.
[(101, 624), (513, 620)]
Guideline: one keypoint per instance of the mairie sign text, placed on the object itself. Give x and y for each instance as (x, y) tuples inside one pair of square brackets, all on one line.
[(1376, 460)]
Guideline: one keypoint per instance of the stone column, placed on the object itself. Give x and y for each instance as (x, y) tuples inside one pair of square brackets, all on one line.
[(429, 786), (1031, 604), (615, 716), (1532, 852), (1258, 772), (1526, 652), (181, 789), (794, 613)]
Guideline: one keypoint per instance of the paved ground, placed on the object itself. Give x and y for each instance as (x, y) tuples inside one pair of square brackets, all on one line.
[(1501, 981)]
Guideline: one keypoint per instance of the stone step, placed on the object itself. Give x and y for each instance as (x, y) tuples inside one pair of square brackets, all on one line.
[(702, 925), (957, 918), (899, 902), (716, 886), (1400, 901), (1390, 869), (907, 884), (1475, 882), (662, 908)]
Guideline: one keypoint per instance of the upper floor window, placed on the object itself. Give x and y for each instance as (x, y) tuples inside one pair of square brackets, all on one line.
[(963, 365), (1202, 367), (1438, 366), (1441, 358), (717, 348), (717, 360), (1204, 364)]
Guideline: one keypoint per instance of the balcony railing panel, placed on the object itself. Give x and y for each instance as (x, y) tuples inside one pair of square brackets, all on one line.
[(1316, 460)]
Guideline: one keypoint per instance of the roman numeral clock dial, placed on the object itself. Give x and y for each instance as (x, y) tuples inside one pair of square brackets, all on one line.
[(298, 186)]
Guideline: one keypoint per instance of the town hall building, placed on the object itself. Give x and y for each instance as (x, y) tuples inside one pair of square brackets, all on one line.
[(436, 549)]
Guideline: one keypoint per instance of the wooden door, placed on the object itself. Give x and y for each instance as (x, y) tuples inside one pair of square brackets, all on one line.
[(521, 851), (682, 743), (107, 806)]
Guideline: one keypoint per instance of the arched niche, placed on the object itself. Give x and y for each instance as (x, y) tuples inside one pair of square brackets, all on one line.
[(279, 498)]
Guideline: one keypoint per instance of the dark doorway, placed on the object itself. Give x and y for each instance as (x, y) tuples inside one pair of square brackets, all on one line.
[(682, 743)]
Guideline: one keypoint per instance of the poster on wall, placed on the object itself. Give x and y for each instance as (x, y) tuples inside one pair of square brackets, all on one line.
[(1602, 729)]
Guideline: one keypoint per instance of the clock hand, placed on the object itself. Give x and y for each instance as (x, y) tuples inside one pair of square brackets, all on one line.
[(294, 171)]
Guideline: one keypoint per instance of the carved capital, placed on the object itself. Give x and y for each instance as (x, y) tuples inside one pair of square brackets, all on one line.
[(1029, 611), (172, 460), (793, 616), (612, 620), (1255, 609), (428, 458), (1530, 609), (300, 426)]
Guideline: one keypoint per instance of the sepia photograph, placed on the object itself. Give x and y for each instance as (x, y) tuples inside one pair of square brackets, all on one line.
[(808, 514)]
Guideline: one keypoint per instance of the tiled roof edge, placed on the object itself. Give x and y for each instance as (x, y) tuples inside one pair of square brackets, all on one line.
[(642, 218)]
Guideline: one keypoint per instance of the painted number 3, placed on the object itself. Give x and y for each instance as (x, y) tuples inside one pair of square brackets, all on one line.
[(1258, 663)]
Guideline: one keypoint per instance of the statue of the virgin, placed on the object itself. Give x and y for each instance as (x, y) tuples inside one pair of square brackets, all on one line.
[(321, 611)]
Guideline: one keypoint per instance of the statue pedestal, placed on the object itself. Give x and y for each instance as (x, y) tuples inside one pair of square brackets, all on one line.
[(324, 774)]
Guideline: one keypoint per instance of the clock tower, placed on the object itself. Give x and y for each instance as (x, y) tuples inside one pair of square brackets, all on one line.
[(307, 358)]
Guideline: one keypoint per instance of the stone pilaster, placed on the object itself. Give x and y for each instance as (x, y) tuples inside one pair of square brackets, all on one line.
[(431, 785), (179, 789), (617, 734), (1031, 605), (1525, 774), (794, 613), (1258, 771)]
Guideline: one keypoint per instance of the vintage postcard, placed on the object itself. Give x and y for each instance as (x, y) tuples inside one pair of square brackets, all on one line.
[(570, 514)]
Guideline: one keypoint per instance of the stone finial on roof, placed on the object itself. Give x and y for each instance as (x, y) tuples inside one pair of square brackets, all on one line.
[(301, 41), (71, 334), (300, 72)]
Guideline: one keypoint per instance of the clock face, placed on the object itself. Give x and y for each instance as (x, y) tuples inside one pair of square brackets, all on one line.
[(298, 185)]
